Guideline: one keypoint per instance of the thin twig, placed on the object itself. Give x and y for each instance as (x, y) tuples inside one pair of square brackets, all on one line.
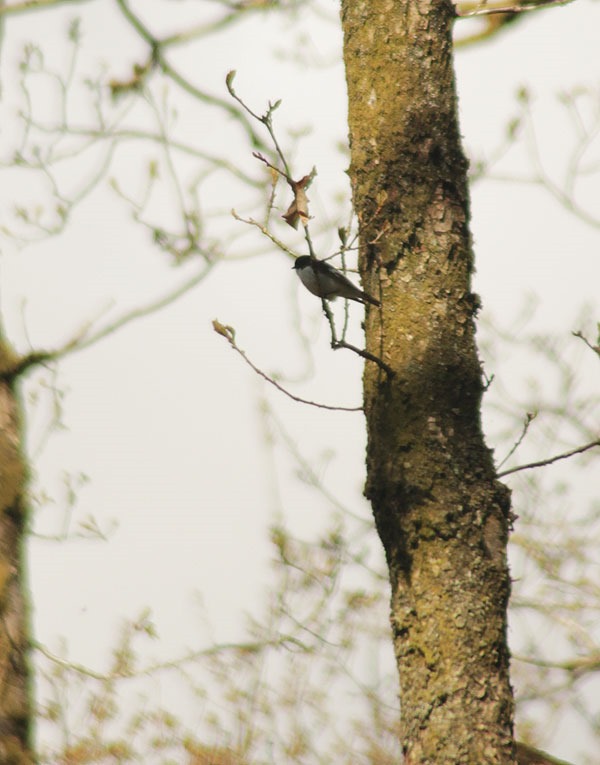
[(529, 418), (229, 334), (25, 6), (265, 119), (336, 344), (264, 230), (595, 348), (550, 460)]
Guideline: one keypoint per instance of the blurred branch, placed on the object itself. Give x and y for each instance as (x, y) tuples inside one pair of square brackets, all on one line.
[(595, 348), (480, 168), (250, 647), (468, 10), (577, 667), (158, 60), (581, 106), (236, 12), (264, 230), (129, 134), (528, 755), (550, 460), (229, 334), (84, 339), (266, 119), (35, 5), (565, 195), (491, 26), (311, 476)]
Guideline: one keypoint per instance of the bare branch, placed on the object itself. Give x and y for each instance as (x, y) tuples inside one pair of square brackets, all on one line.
[(264, 230), (550, 460), (341, 343), (563, 195), (266, 119), (529, 418), (229, 334), (128, 134)]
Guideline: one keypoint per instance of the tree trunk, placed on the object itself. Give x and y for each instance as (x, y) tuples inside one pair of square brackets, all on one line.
[(442, 517), (15, 697)]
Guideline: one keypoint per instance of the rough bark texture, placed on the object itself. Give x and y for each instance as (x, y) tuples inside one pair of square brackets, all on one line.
[(441, 515), (15, 697)]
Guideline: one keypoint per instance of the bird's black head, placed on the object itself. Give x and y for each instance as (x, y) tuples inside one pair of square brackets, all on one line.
[(302, 262)]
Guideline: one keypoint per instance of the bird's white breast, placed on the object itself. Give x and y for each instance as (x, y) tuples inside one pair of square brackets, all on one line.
[(319, 284)]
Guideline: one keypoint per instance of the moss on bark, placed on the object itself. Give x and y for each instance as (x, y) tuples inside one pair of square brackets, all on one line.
[(15, 687), (441, 515)]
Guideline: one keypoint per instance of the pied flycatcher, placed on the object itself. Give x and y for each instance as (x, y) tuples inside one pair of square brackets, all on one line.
[(327, 282)]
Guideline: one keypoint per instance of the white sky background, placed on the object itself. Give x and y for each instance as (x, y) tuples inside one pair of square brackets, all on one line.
[(164, 417)]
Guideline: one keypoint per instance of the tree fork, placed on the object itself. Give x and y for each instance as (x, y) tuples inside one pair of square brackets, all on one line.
[(442, 516)]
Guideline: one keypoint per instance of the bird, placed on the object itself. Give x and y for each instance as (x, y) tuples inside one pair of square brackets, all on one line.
[(327, 282)]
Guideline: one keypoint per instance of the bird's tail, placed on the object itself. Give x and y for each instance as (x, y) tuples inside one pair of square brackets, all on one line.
[(369, 299)]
